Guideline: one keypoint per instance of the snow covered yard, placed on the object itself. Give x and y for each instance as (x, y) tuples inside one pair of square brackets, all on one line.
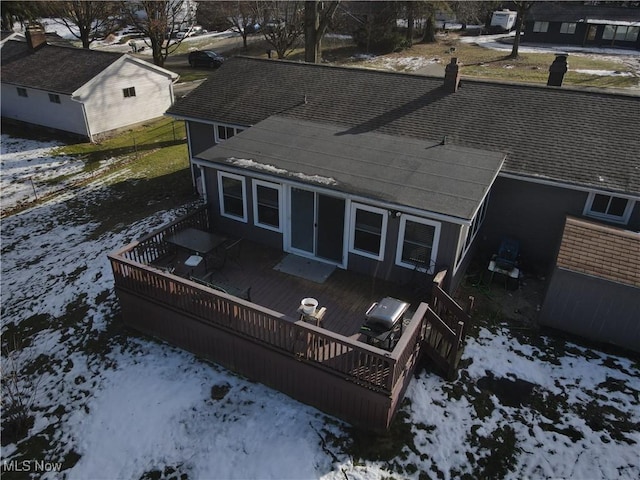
[(108, 403)]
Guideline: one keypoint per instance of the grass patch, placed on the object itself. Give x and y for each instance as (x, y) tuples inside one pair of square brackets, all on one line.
[(132, 143)]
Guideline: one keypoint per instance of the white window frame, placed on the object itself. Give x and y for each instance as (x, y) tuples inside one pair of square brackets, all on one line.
[(434, 247), (624, 219), (469, 233), (568, 28), (216, 136), (256, 216), (383, 233), (540, 27), (221, 176)]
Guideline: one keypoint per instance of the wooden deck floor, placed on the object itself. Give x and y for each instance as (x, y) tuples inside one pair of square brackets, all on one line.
[(346, 295)]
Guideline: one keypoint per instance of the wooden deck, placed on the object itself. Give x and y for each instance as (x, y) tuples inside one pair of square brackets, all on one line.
[(346, 295), (327, 366)]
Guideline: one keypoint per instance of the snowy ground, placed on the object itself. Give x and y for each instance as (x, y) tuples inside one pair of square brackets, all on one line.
[(111, 404)]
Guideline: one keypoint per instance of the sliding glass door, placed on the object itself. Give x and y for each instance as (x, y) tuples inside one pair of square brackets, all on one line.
[(317, 224)]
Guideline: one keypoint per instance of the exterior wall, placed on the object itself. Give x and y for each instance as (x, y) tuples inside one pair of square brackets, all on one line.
[(108, 109), (387, 270), (302, 381), (37, 109), (594, 308), (553, 35), (201, 137), (534, 214)]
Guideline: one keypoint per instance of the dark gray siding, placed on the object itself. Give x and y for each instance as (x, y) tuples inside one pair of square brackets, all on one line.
[(234, 227), (387, 270), (201, 136), (532, 213), (593, 308)]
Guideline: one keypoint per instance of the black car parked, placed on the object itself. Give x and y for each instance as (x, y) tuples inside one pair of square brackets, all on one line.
[(205, 58)]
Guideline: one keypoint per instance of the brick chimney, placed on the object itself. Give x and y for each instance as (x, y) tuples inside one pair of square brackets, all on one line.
[(557, 70), (36, 38), (452, 76)]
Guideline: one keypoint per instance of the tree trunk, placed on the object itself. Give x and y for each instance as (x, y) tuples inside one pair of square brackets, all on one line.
[(410, 23), (430, 29), (516, 39), (311, 26)]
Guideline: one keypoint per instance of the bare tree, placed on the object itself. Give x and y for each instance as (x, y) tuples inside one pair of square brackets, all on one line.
[(87, 20), (282, 24), (317, 17), (241, 17), (22, 12), (521, 7), (158, 21)]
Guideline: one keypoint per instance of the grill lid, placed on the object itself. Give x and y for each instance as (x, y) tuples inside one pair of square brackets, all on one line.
[(386, 312)]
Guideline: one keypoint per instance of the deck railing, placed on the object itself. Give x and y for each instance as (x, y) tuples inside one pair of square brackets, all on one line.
[(358, 362), (153, 246)]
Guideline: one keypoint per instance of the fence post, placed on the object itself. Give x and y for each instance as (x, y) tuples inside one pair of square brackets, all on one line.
[(33, 185)]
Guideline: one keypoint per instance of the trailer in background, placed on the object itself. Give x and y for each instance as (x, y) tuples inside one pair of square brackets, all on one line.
[(503, 21)]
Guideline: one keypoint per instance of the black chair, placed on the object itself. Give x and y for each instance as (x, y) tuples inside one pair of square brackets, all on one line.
[(233, 250), (508, 254)]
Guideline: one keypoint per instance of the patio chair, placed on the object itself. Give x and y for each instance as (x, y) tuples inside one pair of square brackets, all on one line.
[(233, 250), (506, 262), (508, 254)]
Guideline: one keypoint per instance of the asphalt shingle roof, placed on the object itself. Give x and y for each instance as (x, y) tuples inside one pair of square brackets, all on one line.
[(581, 137), (52, 68), (600, 250), (450, 179)]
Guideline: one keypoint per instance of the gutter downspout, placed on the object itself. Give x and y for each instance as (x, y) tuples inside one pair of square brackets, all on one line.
[(203, 184)]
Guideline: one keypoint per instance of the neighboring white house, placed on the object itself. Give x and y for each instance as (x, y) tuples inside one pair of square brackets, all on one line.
[(83, 92)]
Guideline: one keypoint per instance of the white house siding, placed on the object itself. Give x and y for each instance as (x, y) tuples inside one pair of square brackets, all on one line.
[(108, 109), (36, 108)]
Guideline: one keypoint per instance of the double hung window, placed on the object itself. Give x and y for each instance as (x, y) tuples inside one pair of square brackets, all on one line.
[(232, 196), (418, 243), (369, 231), (266, 205)]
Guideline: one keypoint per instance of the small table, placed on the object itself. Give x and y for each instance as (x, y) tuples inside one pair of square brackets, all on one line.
[(196, 241), (314, 318)]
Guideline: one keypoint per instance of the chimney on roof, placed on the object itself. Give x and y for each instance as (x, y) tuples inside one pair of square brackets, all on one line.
[(557, 70), (35, 37), (452, 76)]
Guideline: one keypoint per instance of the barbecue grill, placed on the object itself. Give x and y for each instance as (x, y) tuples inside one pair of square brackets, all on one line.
[(383, 322)]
